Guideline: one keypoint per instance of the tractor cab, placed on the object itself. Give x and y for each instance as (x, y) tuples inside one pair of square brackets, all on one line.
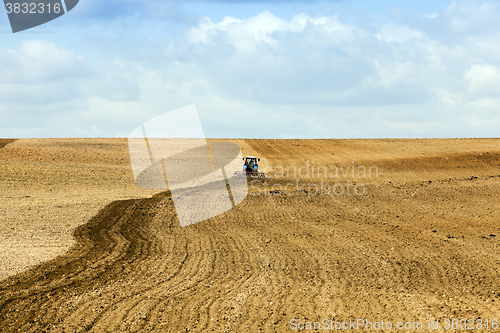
[(251, 164), (250, 168)]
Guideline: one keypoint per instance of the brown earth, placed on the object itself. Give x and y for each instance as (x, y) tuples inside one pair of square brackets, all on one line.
[(49, 187), (4, 142), (421, 243)]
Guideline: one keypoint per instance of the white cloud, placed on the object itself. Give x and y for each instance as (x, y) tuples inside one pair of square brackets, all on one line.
[(400, 34), (483, 80), (267, 76), (245, 34), (472, 16)]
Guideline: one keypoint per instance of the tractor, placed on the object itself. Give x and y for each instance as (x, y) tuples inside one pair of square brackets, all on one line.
[(250, 168)]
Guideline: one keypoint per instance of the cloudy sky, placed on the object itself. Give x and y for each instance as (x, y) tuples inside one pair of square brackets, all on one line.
[(257, 69)]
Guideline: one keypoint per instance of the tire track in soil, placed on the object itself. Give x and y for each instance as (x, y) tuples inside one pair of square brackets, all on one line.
[(5, 142)]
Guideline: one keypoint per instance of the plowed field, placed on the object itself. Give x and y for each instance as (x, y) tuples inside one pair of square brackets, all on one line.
[(417, 239)]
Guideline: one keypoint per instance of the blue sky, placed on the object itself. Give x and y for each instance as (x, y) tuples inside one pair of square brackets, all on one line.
[(257, 69)]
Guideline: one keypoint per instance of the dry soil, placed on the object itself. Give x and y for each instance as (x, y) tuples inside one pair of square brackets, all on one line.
[(416, 240)]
